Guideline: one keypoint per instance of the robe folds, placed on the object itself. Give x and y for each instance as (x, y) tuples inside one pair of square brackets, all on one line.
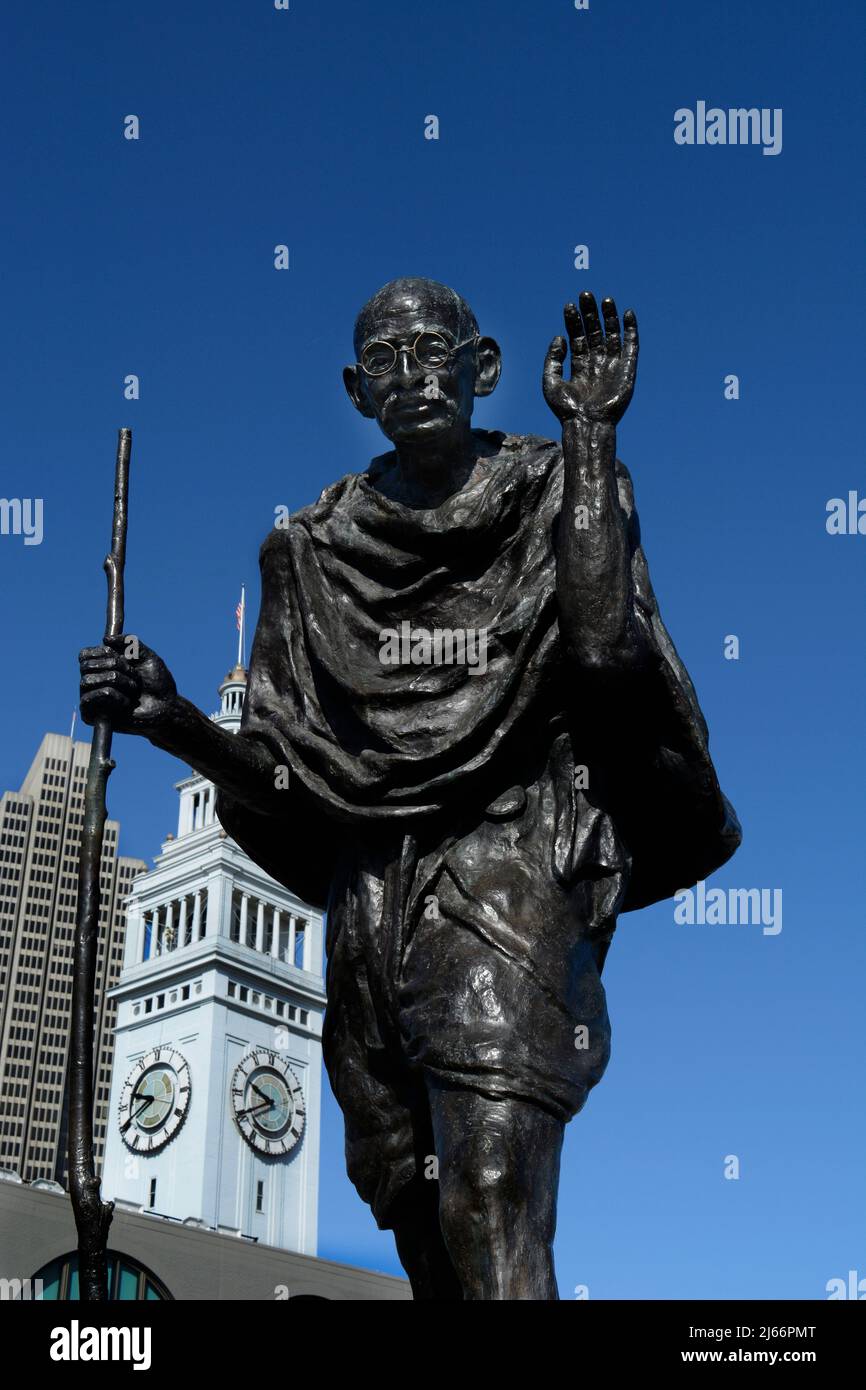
[(383, 748), (472, 833)]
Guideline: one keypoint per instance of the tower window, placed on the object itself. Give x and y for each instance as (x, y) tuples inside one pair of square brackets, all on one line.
[(260, 1196), (235, 929), (300, 933), (151, 1196)]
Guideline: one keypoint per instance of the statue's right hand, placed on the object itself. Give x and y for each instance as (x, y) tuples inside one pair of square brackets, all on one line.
[(126, 683)]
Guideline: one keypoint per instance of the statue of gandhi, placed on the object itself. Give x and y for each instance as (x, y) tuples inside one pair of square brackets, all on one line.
[(473, 829)]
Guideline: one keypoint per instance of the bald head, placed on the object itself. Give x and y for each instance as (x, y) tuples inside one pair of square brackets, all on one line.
[(423, 299)]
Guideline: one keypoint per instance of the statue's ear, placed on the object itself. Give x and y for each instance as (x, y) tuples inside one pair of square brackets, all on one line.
[(488, 358), (357, 394)]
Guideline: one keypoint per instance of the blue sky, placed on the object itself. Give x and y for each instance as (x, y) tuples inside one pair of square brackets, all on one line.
[(305, 127)]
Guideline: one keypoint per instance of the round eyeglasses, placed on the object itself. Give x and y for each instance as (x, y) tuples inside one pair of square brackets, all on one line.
[(430, 350)]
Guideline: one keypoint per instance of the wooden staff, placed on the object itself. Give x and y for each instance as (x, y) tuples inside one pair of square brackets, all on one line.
[(92, 1215)]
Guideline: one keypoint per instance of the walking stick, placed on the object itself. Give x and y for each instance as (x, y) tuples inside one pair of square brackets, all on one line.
[(92, 1215)]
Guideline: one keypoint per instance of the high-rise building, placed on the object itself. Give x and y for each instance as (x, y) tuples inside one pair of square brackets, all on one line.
[(216, 1087), (40, 837)]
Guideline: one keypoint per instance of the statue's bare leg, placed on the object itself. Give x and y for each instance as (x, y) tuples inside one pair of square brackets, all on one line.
[(422, 1250), (498, 1182)]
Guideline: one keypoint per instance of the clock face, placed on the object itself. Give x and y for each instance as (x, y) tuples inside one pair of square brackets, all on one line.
[(267, 1102), (154, 1100)]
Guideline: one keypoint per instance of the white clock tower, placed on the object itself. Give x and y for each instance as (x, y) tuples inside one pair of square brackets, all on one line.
[(215, 1093)]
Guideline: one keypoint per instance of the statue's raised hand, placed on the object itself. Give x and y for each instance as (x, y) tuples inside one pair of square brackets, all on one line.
[(603, 364)]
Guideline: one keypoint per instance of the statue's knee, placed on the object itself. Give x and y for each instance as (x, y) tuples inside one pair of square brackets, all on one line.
[(467, 1215), (480, 1192)]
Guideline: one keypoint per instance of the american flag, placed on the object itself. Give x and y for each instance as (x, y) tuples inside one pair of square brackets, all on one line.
[(240, 614)]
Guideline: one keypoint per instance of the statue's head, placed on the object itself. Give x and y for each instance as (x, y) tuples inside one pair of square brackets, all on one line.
[(423, 396)]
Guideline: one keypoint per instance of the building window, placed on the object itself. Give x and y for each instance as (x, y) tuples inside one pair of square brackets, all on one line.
[(184, 994), (127, 1279), (300, 935), (151, 1195), (260, 1196)]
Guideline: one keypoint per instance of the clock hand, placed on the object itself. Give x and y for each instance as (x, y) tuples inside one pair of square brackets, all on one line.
[(251, 1109), (147, 1102)]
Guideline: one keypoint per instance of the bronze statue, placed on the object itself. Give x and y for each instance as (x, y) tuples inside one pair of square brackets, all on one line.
[(491, 749)]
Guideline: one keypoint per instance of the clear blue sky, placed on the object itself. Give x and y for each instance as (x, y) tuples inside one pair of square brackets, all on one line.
[(556, 128)]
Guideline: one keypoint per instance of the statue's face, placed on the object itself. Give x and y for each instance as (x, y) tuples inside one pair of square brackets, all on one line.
[(427, 401)]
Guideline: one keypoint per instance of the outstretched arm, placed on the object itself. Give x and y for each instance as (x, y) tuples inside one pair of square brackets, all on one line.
[(138, 695), (241, 767)]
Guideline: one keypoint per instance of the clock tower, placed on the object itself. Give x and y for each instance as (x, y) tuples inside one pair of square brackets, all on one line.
[(215, 1094)]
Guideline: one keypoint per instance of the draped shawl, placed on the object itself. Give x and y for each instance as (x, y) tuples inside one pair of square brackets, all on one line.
[(371, 744)]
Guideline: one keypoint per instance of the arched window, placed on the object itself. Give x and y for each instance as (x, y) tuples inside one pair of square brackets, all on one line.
[(127, 1279)]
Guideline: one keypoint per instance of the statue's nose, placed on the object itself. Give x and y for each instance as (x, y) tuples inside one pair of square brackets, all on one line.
[(405, 366)]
